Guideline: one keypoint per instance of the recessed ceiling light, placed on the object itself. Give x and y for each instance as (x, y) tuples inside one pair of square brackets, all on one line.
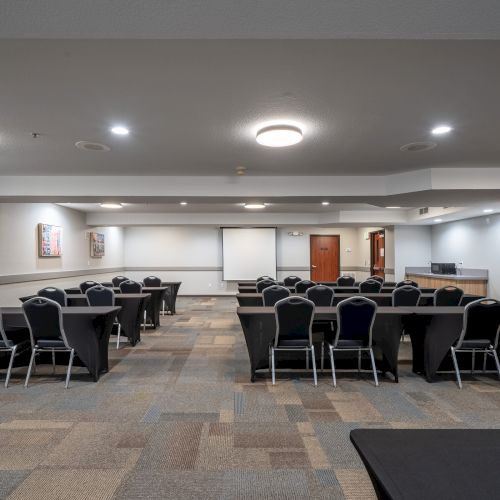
[(120, 130), (255, 205), (325, 203), (267, 204), (279, 136), (111, 205), (438, 220), (488, 210), (392, 207), (184, 203), (441, 129)]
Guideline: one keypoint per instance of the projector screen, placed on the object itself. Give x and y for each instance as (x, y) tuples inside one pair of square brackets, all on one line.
[(248, 253)]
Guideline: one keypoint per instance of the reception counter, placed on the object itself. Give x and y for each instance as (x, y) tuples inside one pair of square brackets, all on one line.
[(474, 281)]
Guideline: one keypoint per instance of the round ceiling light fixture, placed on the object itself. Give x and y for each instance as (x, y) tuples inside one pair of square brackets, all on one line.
[(92, 146), (183, 203), (325, 203), (418, 147), (120, 130), (392, 207), (111, 205), (254, 205), (441, 129), (438, 220), (488, 210), (279, 136)]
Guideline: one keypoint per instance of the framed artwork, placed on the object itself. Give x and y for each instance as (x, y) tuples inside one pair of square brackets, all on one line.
[(96, 245), (49, 240)]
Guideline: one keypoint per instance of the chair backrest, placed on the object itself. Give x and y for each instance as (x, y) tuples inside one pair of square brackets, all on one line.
[(272, 294), (370, 286), (54, 293), (448, 296), (152, 281), (100, 296), (407, 283), (294, 317), (130, 286), (263, 284), (377, 278), (291, 280), (345, 281), (320, 295), (3, 335), (481, 321), (406, 295), (355, 318), (117, 280), (45, 320), (302, 286), (262, 278), (86, 285)]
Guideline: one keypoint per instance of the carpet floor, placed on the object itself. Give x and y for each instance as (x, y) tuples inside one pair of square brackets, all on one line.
[(177, 418)]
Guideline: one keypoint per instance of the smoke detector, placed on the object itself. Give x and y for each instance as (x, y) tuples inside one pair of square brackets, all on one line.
[(241, 170)]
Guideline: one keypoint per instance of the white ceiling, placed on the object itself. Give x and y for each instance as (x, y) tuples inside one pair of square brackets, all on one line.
[(250, 19)]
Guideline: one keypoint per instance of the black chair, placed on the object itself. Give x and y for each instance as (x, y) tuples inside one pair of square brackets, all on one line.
[(56, 294), (117, 280), (86, 285), (8, 345), (273, 294), (291, 281), (294, 317), (407, 283), (345, 281), (406, 295), (302, 286), (320, 295), (355, 318), (377, 278), (152, 281), (99, 296), (370, 286), (130, 286), (262, 278), (448, 296), (481, 327), (263, 284), (45, 323)]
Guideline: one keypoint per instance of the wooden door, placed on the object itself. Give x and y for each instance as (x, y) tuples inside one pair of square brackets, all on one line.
[(377, 251), (325, 257)]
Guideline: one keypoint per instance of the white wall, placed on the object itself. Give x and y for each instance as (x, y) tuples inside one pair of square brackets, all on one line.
[(475, 242), (412, 247)]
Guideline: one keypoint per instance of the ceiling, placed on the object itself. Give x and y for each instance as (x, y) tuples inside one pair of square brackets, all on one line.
[(194, 107), (250, 19)]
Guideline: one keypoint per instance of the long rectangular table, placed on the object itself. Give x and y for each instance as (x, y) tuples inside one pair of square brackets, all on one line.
[(382, 299), (339, 289), (431, 464), (87, 329), (327, 283), (433, 331)]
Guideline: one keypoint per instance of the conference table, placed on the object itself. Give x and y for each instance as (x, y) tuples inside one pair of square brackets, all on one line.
[(339, 289), (87, 330), (431, 464), (154, 305), (433, 330), (382, 299), (327, 283)]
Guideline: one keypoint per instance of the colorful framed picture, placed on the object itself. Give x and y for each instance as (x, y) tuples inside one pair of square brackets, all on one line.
[(96, 245), (49, 240)]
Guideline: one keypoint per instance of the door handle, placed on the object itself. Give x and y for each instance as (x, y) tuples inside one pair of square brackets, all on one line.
[(313, 266)]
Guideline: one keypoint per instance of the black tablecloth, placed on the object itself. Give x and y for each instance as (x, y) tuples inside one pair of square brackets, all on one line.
[(171, 294), (87, 329), (259, 328), (431, 464), (338, 289)]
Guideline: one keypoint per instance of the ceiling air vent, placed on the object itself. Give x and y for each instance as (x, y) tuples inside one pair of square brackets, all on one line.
[(418, 147), (423, 211), (92, 146)]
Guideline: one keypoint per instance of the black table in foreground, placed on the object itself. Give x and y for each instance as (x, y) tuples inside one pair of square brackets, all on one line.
[(87, 329), (431, 464)]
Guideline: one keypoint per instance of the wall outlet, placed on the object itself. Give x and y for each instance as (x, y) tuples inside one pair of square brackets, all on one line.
[(210, 285), (348, 250)]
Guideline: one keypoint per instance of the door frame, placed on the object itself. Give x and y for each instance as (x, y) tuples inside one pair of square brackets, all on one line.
[(372, 256), (310, 251)]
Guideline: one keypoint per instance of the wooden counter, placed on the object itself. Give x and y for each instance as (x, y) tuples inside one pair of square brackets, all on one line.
[(473, 286)]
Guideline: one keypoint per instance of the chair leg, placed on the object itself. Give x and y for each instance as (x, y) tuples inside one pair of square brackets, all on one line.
[(374, 367), (118, 339), (53, 362), (333, 367), (457, 371), (163, 308), (473, 360), (495, 355), (307, 360), (313, 357), (144, 324), (11, 362), (359, 363), (30, 366), (70, 364), (485, 357), (322, 356), (272, 366)]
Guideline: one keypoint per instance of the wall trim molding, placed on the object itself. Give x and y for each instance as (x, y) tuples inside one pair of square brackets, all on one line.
[(174, 268), (22, 278)]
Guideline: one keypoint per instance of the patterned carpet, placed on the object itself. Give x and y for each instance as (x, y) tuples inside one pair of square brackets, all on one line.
[(177, 418)]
